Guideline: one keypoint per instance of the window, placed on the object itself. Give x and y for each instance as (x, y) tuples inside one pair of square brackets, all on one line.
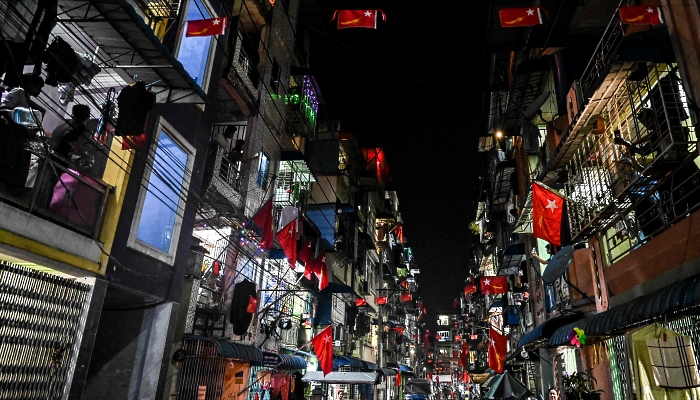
[(263, 169), (194, 52), (156, 225)]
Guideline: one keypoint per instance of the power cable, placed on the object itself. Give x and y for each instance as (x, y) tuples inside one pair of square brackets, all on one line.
[(154, 162)]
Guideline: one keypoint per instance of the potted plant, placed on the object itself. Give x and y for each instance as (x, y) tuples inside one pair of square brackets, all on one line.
[(580, 386)]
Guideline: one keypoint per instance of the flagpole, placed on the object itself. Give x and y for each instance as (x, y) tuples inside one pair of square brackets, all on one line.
[(549, 189)]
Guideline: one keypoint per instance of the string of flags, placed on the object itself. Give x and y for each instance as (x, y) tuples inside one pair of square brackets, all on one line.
[(531, 16)]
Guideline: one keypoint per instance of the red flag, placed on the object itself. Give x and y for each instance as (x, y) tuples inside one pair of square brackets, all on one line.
[(263, 219), (497, 350), (252, 305), (470, 288), (463, 355), (305, 256), (287, 237), (398, 329), (358, 18), (379, 300), (520, 16), (205, 27), (640, 15), (323, 347), (360, 302), (494, 284), (398, 233), (320, 269), (405, 297), (547, 214)]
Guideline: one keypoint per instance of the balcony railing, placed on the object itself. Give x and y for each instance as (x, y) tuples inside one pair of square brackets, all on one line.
[(57, 190), (633, 187), (227, 178), (603, 57), (243, 75)]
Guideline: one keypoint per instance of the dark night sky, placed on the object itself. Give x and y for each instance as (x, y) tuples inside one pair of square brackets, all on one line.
[(414, 86)]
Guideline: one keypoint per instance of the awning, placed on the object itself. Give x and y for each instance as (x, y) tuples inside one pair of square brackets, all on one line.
[(347, 293), (419, 385), (130, 45), (673, 299), (386, 371), (513, 255), (236, 351), (346, 361), (299, 352), (400, 367), (547, 328), (283, 361), (350, 378)]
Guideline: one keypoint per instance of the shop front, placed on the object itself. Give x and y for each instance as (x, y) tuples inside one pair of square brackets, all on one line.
[(213, 368), (637, 339)]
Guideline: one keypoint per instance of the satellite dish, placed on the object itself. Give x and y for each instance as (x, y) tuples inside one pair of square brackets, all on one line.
[(558, 264), (531, 110)]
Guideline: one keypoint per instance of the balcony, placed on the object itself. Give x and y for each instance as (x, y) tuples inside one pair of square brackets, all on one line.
[(632, 191), (128, 40), (293, 180), (241, 80), (302, 105), (57, 191), (227, 179)]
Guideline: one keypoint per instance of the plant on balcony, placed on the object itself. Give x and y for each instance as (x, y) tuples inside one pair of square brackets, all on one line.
[(474, 228), (580, 386)]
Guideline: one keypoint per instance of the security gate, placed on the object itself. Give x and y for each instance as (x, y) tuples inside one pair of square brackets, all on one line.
[(202, 372), (39, 316)]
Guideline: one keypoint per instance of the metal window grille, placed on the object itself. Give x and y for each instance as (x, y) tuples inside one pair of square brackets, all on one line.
[(618, 367), (688, 326), (40, 314), (202, 367), (228, 172), (632, 196)]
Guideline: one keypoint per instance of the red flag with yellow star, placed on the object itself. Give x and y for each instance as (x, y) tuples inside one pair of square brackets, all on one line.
[(494, 284), (520, 16), (497, 350), (640, 15), (206, 27), (547, 215), (358, 18)]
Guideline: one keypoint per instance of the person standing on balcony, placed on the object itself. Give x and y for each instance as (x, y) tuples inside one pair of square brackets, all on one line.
[(64, 141), (556, 294)]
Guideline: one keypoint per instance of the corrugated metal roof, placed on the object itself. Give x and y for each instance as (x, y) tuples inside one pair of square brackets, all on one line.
[(672, 299)]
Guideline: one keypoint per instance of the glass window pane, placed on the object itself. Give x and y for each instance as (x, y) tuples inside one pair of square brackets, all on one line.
[(160, 206), (194, 51)]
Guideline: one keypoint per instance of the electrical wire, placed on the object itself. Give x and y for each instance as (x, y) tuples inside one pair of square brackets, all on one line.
[(153, 162)]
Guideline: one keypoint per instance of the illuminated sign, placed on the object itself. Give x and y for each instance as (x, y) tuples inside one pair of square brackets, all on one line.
[(443, 336), (443, 319)]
